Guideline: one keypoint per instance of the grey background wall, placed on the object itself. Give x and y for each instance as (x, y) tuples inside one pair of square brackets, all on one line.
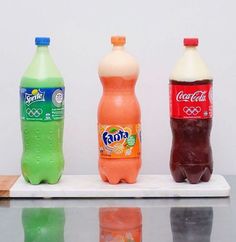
[(80, 35)]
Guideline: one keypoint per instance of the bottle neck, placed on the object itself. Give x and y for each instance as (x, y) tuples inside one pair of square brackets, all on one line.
[(190, 48), (118, 47), (191, 51), (42, 50)]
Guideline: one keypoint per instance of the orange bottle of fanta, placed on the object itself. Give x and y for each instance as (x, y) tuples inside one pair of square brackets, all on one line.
[(119, 129), (120, 224)]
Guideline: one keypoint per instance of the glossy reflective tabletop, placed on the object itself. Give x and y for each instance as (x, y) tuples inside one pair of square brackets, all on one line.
[(119, 220)]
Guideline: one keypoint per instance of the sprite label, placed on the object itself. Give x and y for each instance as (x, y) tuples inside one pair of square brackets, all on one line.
[(42, 104)]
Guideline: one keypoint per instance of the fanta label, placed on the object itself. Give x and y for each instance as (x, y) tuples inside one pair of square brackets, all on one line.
[(191, 101), (119, 141)]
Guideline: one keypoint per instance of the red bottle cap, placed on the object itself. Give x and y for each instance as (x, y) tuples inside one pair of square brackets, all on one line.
[(190, 41)]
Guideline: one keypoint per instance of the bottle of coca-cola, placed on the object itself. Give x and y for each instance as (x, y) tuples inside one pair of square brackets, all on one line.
[(191, 117)]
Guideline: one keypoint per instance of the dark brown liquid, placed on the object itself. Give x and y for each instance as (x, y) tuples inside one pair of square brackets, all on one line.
[(191, 154)]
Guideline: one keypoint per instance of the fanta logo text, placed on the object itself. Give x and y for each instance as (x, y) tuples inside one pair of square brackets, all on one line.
[(110, 138), (35, 96), (198, 96)]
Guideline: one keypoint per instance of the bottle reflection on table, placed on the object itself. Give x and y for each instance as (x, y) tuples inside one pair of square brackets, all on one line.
[(191, 224), (43, 224), (120, 224)]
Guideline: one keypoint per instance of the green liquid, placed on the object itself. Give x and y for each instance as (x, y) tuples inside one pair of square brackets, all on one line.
[(38, 83), (42, 158)]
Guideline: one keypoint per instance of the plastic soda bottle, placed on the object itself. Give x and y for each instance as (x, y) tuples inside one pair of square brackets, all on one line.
[(191, 117), (120, 224), (42, 118), (119, 129), (43, 224)]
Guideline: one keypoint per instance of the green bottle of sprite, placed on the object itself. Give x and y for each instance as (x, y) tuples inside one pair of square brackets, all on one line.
[(42, 118)]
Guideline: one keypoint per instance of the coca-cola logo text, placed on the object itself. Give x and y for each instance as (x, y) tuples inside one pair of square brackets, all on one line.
[(197, 96)]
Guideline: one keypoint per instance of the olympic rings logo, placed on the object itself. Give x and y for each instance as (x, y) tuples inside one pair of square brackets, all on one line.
[(192, 110), (34, 112)]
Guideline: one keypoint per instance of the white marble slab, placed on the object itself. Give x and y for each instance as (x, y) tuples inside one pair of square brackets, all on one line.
[(91, 186)]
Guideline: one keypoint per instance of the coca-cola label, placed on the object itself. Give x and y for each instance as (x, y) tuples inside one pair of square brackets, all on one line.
[(191, 101)]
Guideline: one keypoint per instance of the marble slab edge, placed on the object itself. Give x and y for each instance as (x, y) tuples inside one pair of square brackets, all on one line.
[(91, 186)]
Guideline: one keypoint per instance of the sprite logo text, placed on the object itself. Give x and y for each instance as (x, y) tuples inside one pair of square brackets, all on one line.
[(35, 96)]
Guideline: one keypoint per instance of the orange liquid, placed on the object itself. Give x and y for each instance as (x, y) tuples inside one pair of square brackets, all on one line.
[(120, 224), (119, 106)]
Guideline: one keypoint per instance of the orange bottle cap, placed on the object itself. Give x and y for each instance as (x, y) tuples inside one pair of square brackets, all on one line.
[(118, 40)]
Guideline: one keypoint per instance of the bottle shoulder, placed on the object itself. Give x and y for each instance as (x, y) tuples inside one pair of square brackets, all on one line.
[(49, 82), (118, 63), (42, 67), (190, 67)]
